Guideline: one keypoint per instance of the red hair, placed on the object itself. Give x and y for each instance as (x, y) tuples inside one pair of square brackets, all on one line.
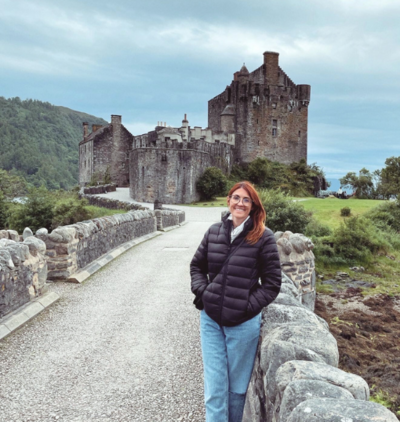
[(257, 213)]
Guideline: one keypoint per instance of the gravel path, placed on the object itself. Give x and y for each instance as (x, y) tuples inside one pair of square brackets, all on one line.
[(123, 346)]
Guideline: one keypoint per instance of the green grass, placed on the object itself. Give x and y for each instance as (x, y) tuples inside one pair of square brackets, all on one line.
[(327, 211), (217, 202), (103, 212)]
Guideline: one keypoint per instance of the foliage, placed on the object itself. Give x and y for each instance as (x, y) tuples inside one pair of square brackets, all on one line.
[(296, 179), (385, 215), (345, 212), (211, 183), (390, 177), (39, 141), (35, 212), (3, 211), (70, 212), (357, 239), (362, 184), (316, 229), (283, 213), (107, 176), (12, 185)]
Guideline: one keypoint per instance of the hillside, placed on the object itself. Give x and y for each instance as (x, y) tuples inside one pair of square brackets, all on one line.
[(39, 141)]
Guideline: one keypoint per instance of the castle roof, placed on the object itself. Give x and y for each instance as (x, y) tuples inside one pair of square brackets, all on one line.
[(244, 70), (229, 110)]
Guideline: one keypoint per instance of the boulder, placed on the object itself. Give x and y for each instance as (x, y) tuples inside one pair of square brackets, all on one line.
[(298, 369), (19, 252), (13, 235), (27, 233), (4, 234), (333, 410), (35, 245), (301, 390), (42, 232)]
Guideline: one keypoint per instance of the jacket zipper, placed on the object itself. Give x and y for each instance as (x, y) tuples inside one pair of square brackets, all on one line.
[(223, 287)]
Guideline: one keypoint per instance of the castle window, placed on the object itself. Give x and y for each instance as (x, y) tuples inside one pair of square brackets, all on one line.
[(257, 120), (299, 133), (273, 105), (164, 157), (274, 123), (274, 131)]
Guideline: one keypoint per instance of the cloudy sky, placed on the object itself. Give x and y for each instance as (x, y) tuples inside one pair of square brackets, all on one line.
[(154, 60)]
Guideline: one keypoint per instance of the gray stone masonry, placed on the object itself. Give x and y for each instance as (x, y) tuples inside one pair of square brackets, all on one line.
[(112, 204), (23, 271), (92, 190), (72, 247), (295, 376)]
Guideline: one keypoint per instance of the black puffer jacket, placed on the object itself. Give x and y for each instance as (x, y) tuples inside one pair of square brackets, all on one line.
[(231, 293)]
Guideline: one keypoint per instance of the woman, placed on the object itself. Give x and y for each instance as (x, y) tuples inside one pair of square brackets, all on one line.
[(235, 273)]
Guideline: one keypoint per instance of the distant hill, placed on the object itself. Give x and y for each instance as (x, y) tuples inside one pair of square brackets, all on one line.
[(39, 141)]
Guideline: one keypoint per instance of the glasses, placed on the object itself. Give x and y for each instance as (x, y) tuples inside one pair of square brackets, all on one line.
[(236, 199)]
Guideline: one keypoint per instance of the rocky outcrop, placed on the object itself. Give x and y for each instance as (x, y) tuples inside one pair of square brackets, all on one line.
[(295, 376), (23, 270)]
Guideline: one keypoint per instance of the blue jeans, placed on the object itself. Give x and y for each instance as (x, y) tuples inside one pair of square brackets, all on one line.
[(228, 359)]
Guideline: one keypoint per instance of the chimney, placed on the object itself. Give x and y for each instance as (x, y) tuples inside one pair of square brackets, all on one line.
[(85, 129), (271, 65), (115, 119), (96, 127)]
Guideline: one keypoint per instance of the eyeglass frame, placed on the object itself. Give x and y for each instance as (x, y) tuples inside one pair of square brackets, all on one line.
[(237, 201)]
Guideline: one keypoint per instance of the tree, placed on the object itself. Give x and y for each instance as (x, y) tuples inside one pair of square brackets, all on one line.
[(390, 177), (362, 184), (12, 185), (211, 183), (3, 211)]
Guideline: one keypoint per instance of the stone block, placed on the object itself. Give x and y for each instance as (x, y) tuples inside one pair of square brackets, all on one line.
[(13, 235), (27, 233), (4, 234), (298, 369), (35, 245), (301, 390), (333, 410)]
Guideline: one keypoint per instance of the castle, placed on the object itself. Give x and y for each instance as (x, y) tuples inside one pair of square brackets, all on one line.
[(260, 114)]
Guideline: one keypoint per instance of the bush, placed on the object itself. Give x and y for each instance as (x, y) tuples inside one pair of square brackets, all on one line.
[(36, 212), (357, 239), (258, 171), (316, 229), (345, 212), (211, 183), (70, 212), (282, 213), (385, 215)]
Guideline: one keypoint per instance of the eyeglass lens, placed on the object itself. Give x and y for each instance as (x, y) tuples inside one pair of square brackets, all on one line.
[(237, 198)]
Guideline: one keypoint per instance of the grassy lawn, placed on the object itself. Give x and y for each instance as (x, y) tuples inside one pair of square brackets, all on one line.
[(217, 202), (327, 210), (103, 212)]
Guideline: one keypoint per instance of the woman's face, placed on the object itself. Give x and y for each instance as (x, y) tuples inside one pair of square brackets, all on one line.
[(241, 208)]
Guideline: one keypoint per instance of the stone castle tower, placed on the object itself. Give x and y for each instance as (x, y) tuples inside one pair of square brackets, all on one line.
[(267, 112), (260, 114)]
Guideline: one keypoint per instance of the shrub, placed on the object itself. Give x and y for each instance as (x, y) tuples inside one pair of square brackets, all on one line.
[(36, 212), (345, 212), (282, 213), (357, 239), (258, 171), (316, 229), (211, 183), (70, 212), (385, 215)]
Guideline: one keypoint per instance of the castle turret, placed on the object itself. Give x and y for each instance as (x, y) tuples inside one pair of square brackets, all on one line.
[(228, 118), (271, 65), (303, 94)]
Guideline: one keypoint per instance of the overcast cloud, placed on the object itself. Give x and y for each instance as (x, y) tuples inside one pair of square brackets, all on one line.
[(154, 60)]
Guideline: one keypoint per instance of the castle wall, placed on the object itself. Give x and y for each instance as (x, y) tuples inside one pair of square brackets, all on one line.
[(169, 171), (271, 113), (85, 162)]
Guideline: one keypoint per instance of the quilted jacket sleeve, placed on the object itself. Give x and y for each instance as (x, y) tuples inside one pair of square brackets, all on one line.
[(270, 274), (199, 268)]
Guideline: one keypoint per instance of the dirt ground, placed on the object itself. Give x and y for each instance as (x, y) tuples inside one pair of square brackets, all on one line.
[(367, 330)]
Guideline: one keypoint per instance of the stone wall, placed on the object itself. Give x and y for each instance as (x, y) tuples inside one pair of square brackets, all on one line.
[(23, 270), (70, 248), (295, 376), (169, 218), (112, 204), (93, 190), (168, 171)]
